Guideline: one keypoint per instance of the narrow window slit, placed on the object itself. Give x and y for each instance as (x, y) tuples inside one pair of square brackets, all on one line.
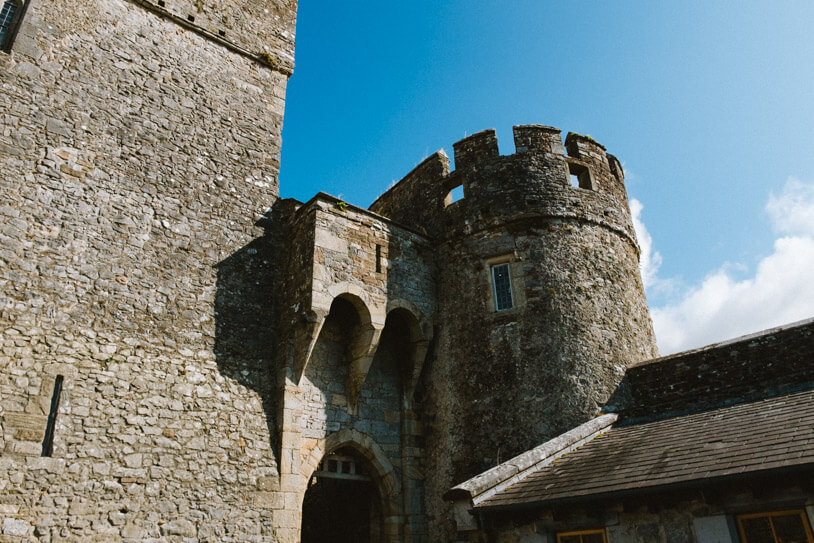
[(378, 258), (161, 3), (48, 442)]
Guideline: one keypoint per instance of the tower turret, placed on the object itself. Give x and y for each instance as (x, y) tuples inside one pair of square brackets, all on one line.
[(541, 304)]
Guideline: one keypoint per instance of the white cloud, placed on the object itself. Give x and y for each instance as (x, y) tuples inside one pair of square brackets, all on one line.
[(780, 291), (649, 261), (793, 211)]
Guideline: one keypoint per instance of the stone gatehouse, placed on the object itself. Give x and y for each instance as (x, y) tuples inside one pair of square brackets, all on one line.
[(187, 357)]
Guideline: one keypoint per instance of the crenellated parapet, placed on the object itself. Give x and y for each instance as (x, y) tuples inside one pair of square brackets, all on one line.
[(543, 179)]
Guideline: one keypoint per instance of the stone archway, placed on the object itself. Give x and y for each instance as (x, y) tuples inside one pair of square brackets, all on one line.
[(384, 487)]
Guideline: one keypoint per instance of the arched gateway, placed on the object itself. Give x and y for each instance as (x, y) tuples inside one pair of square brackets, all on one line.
[(351, 496)]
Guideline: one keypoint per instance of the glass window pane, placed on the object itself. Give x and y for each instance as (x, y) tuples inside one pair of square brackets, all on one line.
[(6, 18), (757, 530), (789, 528), (502, 287)]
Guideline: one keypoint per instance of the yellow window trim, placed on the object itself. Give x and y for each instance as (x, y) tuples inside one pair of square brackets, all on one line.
[(560, 535), (800, 512)]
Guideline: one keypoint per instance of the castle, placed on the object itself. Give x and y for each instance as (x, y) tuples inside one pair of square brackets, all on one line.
[(187, 357)]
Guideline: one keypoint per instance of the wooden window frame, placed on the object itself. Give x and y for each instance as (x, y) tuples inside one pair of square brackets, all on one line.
[(800, 512), (580, 533)]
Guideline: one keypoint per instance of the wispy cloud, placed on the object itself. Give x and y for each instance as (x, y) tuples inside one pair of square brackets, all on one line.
[(779, 291), (649, 259)]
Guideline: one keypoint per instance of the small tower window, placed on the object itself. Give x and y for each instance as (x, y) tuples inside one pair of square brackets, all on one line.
[(502, 287), (9, 17), (454, 195), (580, 176)]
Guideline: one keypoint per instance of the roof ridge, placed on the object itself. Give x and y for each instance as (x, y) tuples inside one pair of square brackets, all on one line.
[(491, 481)]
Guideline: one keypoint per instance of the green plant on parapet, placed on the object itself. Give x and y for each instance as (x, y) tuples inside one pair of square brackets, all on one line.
[(341, 205), (268, 59), (589, 138)]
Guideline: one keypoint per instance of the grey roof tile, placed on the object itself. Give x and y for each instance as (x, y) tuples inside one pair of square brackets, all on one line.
[(768, 434)]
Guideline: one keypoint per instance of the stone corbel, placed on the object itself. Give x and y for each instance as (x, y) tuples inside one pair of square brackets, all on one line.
[(306, 333), (361, 351)]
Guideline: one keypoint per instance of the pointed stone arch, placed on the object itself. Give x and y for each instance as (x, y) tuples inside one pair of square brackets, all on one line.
[(378, 465), (419, 330), (364, 341), (362, 344)]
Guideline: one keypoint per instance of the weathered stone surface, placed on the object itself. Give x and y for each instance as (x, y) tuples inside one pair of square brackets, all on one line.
[(14, 526), (180, 527), (579, 314), (138, 149)]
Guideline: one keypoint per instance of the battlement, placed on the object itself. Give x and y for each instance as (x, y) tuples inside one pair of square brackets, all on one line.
[(544, 175), (533, 138)]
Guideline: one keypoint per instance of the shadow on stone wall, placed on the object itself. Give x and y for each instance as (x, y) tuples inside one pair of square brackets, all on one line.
[(247, 314)]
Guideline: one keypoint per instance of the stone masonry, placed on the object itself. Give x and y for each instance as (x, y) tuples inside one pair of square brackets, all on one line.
[(137, 151), (215, 344)]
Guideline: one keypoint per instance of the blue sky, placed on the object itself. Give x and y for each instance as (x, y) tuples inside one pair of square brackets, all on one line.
[(710, 106)]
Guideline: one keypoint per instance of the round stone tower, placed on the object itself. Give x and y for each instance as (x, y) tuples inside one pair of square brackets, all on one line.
[(541, 303)]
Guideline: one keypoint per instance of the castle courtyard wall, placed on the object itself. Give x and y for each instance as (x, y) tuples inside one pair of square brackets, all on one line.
[(136, 155)]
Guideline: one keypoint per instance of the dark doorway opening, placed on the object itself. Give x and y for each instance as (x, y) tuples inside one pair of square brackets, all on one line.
[(341, 504)]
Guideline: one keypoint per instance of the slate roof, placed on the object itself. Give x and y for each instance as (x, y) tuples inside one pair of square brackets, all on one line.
[(750, 438)]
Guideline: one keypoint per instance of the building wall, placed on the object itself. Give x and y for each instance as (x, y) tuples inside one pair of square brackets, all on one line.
[(707, 515), (725, 373), (137, 154)]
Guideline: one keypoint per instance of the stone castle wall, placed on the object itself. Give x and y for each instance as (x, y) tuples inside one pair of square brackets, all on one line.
[(136, 156), (721, 374)]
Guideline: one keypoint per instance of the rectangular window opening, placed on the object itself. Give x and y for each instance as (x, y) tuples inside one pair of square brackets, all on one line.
[(502, 287), (455, 195), (378, 258), (48, 441), (191, 18), (579, 176)]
